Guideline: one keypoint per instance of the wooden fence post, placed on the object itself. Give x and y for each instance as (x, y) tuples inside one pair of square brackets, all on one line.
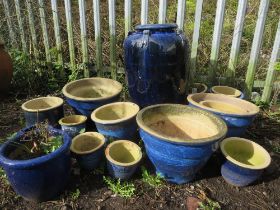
[(144, 11), (127, 16), (162, 11), (112, 27), (180, 19)]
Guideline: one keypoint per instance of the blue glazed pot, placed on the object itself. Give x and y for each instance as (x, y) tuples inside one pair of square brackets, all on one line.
[(38, 179), (87, 94), (237, 113), (44, 108), (226, 90), (88, 148), (245, 163), (155, 64), (179, 139), (116, 120), (123, 158), (73, 124)]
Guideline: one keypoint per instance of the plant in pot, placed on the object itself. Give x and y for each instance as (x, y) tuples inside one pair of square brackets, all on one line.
[(37, 161)]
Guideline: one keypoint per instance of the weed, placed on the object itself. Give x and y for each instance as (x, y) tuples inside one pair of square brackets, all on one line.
[(154, 181), (76, 194), (3, 176), (123, 189), (209, 204), (276, 149), (82, 130)]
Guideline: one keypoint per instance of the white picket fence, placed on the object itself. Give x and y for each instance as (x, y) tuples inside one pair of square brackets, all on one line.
[(181, 11)]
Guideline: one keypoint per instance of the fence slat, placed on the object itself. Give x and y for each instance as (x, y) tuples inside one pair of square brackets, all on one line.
[(32, 28), (181, 14), (112, 27), (237, 34), (219, 20), (256, 45), (68, 14), (57, 31), (82, 11), (44, 29), (9, 22), (144, 11), (162, 11), (271, 73), (20, 25), (197, 21), (127, 16)]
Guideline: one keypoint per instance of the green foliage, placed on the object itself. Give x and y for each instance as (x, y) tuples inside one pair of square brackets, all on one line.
[(262, 104), (82, 130), (209, 205), (3, 176), (123, 189), (277, 66), (154, 181), (76, 194)]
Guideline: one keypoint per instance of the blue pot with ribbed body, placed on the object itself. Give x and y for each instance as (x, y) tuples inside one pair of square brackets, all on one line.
[(155, 64), (178, 139)]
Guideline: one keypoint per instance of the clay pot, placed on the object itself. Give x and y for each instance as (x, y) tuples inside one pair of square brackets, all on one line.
[(6, 70), (245, 163), (226, 90), (198, 88), (73, 124)]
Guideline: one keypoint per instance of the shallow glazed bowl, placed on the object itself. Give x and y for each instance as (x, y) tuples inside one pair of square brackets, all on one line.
[(229, 91), (245, 162), (179, 139), (88, 148), (198, 88), (73, 124), (123, 158), (116, 120), (87, 94), (237, 113), (44, 108)]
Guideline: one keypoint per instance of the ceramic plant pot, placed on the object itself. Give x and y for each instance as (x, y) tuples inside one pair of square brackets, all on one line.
[(73, 124), (229, 91), (38, 179), (245, 162), (179, 139), (44, 108), (88, 148), (6, 70), (116, 120), (237, 113), (198, 88), (123, 158), (87, 94)]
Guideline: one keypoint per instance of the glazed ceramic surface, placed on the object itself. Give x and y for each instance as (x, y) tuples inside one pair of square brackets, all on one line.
[(38, 179), (179, 139), (44, 108), (237, 113), (123, 158), (245, 161), (116, 120), (226, 90), (155, 64), (87, 94), (73, 124)]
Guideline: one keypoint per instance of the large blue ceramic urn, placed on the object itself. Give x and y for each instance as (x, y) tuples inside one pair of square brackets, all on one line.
[(156, 64)]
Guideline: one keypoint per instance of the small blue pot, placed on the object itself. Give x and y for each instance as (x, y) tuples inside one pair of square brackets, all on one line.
[(44, 108), (38, 179), (245, 162), (179, 139), (88, 149), (123, 158), (226, 90), (87, 94), (237, 121), (73, 124), (116, 120)]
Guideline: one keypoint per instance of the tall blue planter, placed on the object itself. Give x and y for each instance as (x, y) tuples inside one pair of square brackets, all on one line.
[(155, 63)]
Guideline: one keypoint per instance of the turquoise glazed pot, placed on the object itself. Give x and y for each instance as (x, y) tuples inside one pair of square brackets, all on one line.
[(87, 94), (73, 124), (38, 179), (123, 158), (88, 149), (229, 91), (179, 139), (245, 162), (237, 113), (116, 120)]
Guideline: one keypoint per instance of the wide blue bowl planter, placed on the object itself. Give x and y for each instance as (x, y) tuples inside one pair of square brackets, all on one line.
[(116, 120), (38, 179), (237, 113), (87, 94), (245, 162), (73, 124), (226, 90), (123, 158), (179, 139)]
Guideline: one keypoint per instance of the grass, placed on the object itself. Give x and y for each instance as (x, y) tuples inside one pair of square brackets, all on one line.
[(209, 204), (123, 189), (154, 181), (76, 194)]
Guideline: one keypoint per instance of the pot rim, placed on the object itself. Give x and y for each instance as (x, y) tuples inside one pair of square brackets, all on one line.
[(156, 26), (83, 120), (190, 100), (59, 103), (236, 95), (217, 137), (70, 96), (203, 85), (229, 158), (31, 163), (90, 134), (109, 158), (98, 120)]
